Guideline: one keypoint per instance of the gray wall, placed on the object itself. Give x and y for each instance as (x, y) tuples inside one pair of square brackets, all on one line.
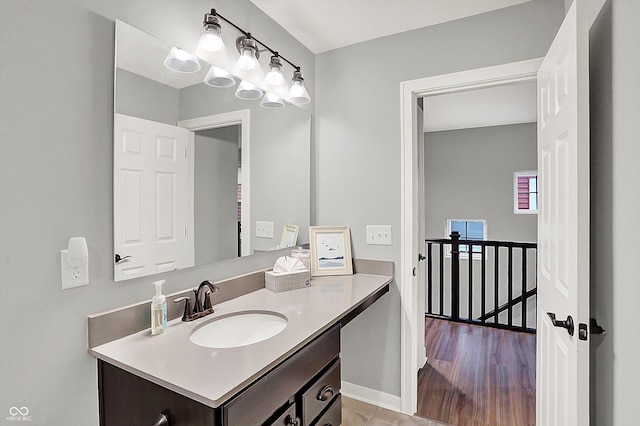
[(280, 155), (358, 149), (56, 121), (215, 194), (142, 97), (615, 207), (469, 175)]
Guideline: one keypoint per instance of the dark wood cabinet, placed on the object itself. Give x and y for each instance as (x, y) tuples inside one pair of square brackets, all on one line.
[(298, 392)]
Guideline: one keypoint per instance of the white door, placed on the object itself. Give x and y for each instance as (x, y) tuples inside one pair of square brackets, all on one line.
[(150, 197), (562, 376)]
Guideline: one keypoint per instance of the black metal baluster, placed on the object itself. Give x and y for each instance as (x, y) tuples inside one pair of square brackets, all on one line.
[(470, 251), (524, 287), (429, 278), (455, 275), (496, 283), (441, 278), (510, 289), (483, 268)]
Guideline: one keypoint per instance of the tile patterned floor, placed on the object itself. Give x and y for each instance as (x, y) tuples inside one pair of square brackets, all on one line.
[(356, 413)]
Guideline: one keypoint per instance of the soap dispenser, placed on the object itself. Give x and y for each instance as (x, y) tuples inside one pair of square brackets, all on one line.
[(158, 310)]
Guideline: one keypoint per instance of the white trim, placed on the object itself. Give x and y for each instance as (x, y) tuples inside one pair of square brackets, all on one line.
[(241, 118), (371, 396), (412, 306)]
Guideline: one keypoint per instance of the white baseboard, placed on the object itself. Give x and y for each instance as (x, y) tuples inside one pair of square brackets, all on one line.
[(371, 396)]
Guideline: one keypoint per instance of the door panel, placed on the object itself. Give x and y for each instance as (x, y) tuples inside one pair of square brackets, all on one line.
[(150, 202), (562, 384)]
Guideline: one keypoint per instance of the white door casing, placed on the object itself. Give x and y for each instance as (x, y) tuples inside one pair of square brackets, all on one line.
[(150, 193), (562, 376), (233, 118), (412, 303)]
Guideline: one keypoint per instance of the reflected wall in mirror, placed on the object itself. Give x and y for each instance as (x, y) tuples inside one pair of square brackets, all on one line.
[(195, 167)]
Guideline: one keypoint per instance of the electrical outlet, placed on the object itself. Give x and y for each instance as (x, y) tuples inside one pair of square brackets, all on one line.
[(379, 235), (264, 229)]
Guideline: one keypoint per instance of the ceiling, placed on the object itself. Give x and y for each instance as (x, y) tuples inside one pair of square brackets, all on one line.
[(495, 106), (323, 25)]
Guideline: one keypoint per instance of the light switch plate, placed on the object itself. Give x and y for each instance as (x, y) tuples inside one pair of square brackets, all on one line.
[(379, 235), (264, 229)]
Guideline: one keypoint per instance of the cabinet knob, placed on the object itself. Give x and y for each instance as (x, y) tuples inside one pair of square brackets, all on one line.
[(294, 421), (326, 393), (162, 420)]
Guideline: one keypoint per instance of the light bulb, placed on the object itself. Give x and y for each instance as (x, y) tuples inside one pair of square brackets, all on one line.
[(298, 93), (248, 91), (247, 67), (210, 46), (182, 61), (274, 81), (217, 77)]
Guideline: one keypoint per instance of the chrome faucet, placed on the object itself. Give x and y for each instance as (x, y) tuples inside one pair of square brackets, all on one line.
[(200, 309)]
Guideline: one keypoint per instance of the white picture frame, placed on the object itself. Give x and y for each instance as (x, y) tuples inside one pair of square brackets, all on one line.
[(330, 250)]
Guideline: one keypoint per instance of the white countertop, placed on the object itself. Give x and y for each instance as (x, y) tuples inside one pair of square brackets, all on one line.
[(212, 376)]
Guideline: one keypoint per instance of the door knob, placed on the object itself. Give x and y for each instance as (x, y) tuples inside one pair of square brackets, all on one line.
[(568, 323)]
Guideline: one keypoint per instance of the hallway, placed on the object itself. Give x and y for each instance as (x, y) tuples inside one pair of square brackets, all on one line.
[(477, 376)]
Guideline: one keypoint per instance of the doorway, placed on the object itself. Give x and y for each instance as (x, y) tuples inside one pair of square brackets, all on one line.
[(412, 324)]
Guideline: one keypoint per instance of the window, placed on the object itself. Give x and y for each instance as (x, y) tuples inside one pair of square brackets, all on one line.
[(469, 230), (525, 190)]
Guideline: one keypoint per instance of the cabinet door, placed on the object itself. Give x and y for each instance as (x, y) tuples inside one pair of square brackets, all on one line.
[(260, 401), (333, 416), (321, 392), (288, 418), (126, 399)]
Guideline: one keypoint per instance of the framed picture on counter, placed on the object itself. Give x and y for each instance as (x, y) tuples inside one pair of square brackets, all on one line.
[(330, 250)]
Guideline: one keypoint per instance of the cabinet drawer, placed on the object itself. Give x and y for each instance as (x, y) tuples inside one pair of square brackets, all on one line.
[(321, 393), (333, 416), (287, 418), (261, 400)]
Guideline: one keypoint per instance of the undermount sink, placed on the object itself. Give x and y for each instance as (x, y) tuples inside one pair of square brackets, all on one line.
[(239, 329)]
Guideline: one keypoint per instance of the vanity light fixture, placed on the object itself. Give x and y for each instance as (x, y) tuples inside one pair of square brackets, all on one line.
[(269, 100), (298, 93), (248, 91), (274, 81), (217, 77), (247, 68), (210, 46), (182, 61)]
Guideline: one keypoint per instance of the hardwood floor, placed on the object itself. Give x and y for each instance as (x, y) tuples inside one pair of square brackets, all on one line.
[(477, 376)]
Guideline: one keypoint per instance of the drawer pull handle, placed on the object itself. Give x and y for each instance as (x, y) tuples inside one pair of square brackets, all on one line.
[(326, 393), (162, 420), (293, 421)]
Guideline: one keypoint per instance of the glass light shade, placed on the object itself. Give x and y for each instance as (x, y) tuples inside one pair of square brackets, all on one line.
[(275, 83), (211, 47), (247, 67), (298, 93), (269, 100), (217, 77), (181, 61), (248, 91)]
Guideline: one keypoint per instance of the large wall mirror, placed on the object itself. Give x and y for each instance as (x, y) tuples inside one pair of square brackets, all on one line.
[(196, 170)]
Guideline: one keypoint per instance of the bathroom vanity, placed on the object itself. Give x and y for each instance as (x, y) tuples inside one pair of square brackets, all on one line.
[(292, 378)]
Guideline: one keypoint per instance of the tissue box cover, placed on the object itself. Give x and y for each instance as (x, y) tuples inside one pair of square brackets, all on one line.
[(284, 281)]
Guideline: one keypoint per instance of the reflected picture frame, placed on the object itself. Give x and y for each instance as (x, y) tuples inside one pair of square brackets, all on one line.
[(330, 250), (289, 236)]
